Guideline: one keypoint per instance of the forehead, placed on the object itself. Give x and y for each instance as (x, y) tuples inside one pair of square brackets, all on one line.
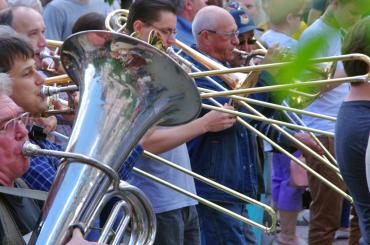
[(27, 19), (226, 23), (166, 18), (8, 110), (20, 63)]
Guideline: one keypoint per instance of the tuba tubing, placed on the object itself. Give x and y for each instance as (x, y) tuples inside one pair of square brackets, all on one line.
[(123, 92)]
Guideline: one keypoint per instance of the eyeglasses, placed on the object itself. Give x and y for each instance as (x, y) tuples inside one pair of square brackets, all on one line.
[(226, 34), (164, 31), (249, 41), (24, 119)]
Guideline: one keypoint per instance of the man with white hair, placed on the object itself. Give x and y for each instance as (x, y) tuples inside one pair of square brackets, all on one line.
[(19, 215), (228, 156)]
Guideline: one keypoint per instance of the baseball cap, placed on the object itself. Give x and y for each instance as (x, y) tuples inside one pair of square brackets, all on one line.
[(243, 20)]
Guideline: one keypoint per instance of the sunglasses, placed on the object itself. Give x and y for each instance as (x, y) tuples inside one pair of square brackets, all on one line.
[(249, 41)]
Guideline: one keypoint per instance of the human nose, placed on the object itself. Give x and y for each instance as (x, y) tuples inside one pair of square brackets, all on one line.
[(235, 40), (21, 132), (39, 80), (42, 41), (171, 39)]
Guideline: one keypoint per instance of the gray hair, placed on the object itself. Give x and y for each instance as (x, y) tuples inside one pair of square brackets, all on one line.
[(34, 4), (5, 84), (205, 19)]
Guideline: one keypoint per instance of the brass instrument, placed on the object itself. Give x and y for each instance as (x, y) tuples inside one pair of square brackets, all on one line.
[(221, 71), (248, 57), (119, 101)]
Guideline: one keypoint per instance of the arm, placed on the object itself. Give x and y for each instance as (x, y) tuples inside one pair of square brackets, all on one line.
[(164, 139)]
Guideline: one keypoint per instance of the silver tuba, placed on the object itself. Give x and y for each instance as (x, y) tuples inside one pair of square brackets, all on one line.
[(126, 86)]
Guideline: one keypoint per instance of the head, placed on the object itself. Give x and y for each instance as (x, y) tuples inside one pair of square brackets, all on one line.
[(158, 15), (215, 32), (89, 21), (13, 134), (357, 41), (250, 6), (347, 12), (189, 8), (246, 27), (284, 14), (35, 4), (16, 59), (28, 22)]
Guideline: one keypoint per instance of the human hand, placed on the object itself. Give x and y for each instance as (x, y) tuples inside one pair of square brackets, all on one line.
[(73, 100), (306, 139), (47, 123), (215, 121), (78, 239)]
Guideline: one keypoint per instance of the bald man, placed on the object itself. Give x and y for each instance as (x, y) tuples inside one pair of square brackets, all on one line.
[(229, 156), (28, 22)]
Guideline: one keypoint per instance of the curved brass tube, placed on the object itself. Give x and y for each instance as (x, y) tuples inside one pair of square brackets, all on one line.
[(232, 192), (60, 80), (292, 157)]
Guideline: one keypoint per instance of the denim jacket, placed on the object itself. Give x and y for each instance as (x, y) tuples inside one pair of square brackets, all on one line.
[(228, 157)]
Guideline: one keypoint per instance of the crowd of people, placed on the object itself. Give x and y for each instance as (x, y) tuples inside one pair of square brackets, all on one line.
[(217, 145)]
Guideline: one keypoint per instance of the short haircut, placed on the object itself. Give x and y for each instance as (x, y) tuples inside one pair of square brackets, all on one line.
[(357, 41), (89, 21), (148, 11), (204, 20), (12, 46), (6, 16)]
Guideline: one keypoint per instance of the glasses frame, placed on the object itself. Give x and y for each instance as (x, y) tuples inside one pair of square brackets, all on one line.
[(164, 31), (12, 123), (225, 34)]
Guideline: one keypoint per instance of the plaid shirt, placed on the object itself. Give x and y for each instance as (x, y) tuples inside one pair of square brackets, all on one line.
[(42, 170)]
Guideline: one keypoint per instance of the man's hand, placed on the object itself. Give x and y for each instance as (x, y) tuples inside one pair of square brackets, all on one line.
[(215, 121), (48, 123), (77, 239), (306, 139)]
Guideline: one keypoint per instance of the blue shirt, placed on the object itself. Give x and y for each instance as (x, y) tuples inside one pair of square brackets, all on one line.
[(228, 157), (42, 170), (183, 29)]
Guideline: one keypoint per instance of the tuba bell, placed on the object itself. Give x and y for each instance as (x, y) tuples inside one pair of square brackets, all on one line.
[(126, 86)]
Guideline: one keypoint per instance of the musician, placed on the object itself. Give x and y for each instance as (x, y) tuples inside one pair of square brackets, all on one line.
[(177, 218), (246, 28), (229, 156), (353, 127), (16, 59), (326, 32), (186, 10), (18, 215), (29, 22)]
